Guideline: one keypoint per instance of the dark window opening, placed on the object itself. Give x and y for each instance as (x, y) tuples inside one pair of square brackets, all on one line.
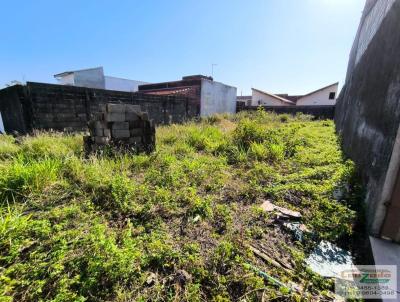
[(332, 95)]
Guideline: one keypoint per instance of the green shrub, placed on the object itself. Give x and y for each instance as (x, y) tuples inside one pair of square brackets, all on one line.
[(258, 151), (8, 147), (222, 218), (248, 132), (56, 145), (19, 179)]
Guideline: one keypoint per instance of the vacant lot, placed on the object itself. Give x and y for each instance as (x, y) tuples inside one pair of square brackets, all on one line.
[(179, 224)]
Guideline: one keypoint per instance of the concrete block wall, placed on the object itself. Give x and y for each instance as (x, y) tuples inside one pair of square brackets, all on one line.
[(62, 107), (123, 126)]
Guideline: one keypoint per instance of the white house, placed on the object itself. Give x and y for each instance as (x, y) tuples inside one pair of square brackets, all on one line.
[(211, 96), (323, 96), (95, 78), (320, 97), (260, 97)]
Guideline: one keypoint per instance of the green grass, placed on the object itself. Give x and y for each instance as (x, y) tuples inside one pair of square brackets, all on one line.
[(121, 228)]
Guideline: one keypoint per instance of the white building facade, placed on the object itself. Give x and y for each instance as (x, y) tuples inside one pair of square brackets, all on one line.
[(325, 96), (262, 98), (95, 78), (216, 97)]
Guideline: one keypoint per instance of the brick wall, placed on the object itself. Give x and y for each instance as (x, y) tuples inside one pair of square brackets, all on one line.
[(60, 107)]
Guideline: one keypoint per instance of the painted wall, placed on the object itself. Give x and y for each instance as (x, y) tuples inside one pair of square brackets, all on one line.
[(259, 98), (95, 78), (113, 83), (91, 78), (319, 98), (67, 79), (367, 115), (216, 97)]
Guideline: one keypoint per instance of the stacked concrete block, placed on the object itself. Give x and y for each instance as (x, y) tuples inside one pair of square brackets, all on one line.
[(122, 126)]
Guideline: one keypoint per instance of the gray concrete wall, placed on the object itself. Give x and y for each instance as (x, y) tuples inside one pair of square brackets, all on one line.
[(367, 113), (371, 19), (11, 100), (216, 97)]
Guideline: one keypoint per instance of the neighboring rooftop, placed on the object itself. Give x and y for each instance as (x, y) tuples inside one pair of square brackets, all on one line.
[(295, 99), (65, 73), (275, 96), (312, 92), (95, 78)]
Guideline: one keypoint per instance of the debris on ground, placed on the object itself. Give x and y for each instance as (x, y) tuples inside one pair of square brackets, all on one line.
[(298, 229), (268, 206), (271, 279), (328, 260), (269, 260), (182, 277), (151, 279)]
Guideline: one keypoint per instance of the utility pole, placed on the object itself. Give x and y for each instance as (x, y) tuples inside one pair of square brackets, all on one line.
[(212, 69)]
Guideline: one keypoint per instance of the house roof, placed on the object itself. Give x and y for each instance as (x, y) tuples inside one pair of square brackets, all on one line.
[(170, 91), (320, 89), (292, 98), (275, 96), (72, 71)]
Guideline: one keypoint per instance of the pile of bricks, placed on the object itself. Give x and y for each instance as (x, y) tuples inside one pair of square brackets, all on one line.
[(122, 126)]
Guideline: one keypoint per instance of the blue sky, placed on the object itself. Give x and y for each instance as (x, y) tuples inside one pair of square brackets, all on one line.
[(279, 46)]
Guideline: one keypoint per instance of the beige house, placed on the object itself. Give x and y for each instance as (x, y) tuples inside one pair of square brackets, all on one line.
[(260, 97), (325, 96)]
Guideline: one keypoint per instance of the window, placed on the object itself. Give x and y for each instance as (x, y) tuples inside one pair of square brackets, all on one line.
[(332, 95)]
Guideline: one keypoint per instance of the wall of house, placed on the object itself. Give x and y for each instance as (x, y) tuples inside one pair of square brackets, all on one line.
[(60, 107), (67, 79), (91, 78), (320, 97), (216, 97), (367, 113), (245, 99), (259, 98), (113, 83)]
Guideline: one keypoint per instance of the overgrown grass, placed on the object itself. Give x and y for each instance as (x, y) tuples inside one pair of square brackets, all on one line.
[(124, 228)]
